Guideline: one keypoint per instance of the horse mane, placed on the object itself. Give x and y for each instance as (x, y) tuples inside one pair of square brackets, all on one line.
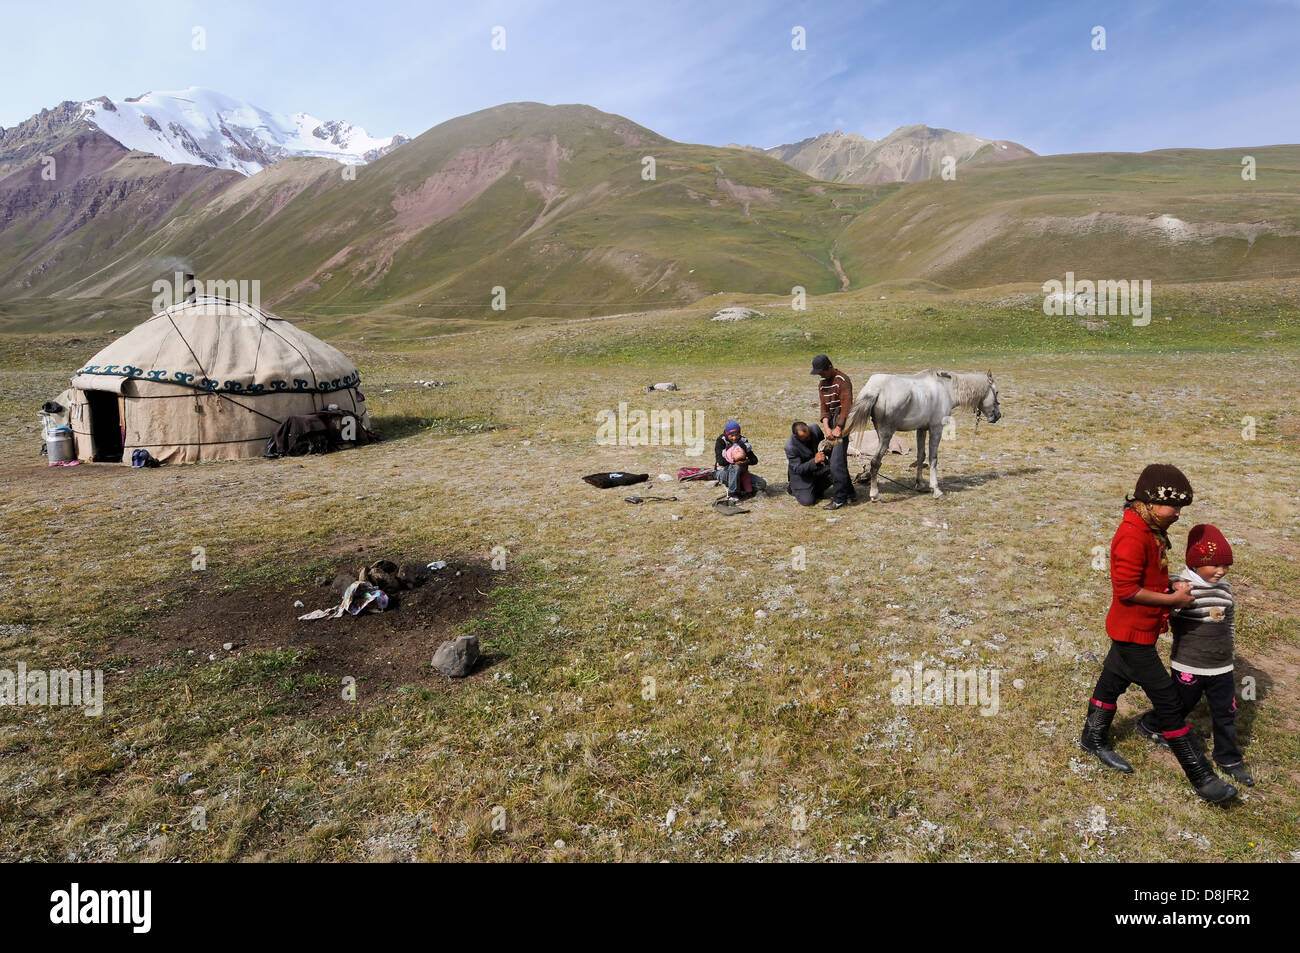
[(968, 390)]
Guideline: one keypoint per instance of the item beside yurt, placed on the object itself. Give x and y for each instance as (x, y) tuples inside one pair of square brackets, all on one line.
[(55, 430), (59, 445)]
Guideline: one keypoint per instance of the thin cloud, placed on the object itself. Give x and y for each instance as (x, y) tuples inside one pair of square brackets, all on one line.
[(1174, 73)]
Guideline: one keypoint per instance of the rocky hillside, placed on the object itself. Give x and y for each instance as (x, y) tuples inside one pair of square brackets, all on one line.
[(908, 154), (41, 134)]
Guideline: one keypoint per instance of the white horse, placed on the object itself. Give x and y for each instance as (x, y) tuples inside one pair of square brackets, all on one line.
[(922, 402)]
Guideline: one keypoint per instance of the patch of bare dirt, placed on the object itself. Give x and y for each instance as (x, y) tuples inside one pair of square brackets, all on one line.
[(966, 239), (1157, 227), (382, 651), (464, 177), (744, 194), (558, 202), (701, 197), (629, 136), (839, 272)]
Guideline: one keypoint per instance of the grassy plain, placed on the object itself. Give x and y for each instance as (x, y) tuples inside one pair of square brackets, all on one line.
[(661, 688)]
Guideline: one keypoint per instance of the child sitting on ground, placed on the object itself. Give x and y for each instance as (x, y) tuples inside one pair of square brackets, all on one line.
[(734, 455), (1202, 659)]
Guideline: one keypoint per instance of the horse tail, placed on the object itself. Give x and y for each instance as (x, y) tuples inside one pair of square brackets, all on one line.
[(861, 411)]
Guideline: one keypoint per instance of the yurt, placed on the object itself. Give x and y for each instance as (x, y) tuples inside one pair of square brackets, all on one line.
[(208, 379)]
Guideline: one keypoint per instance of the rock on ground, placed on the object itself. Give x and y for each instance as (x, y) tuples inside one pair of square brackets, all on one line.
[(736, 314), (457, 659)]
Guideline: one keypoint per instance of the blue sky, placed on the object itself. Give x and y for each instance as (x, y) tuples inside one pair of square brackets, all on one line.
[(1211, 75)]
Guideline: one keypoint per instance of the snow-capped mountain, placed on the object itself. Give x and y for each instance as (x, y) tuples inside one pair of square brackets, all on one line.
[(204, 127)]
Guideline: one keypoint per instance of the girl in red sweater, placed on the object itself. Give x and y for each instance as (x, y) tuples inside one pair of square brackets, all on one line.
[(1139, 611)]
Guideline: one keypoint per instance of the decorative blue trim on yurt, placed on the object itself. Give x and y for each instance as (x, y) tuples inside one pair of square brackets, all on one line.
[(209, 385)]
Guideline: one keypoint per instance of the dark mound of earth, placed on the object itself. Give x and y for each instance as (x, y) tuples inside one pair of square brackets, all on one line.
[(381, 650)]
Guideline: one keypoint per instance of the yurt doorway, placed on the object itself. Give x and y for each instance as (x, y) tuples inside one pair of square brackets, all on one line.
[(105, 425)]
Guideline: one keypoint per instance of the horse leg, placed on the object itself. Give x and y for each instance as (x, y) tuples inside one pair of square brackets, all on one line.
[(935, 434), (920, 458), (882, 437)]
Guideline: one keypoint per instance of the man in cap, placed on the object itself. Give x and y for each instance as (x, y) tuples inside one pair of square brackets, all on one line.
[(835, 395)]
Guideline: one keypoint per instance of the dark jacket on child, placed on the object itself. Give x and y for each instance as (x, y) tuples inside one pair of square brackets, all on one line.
[(723, 443)]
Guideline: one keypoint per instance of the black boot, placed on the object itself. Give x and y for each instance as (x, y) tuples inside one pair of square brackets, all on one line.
[(1146, 727), (1096, 738), (1197, 768), (1239, 773)]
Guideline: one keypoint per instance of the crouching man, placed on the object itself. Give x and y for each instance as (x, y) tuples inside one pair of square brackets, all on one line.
[(810, 476)]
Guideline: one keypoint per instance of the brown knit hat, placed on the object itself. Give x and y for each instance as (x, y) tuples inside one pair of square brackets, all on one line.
[(1207, 547), (1163, 484)]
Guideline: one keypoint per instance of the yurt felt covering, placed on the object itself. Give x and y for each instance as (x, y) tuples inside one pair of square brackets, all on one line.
[(206, 380)]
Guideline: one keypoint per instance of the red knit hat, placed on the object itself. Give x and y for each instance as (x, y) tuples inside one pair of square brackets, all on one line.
[(1207, 547)]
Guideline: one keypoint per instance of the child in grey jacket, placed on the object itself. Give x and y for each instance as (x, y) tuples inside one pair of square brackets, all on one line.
[(1202, 658)]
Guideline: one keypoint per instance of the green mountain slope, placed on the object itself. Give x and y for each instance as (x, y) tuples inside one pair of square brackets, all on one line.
[(550, 204), (1169, 215)]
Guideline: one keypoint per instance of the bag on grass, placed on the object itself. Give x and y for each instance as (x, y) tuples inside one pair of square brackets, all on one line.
[(605, 480), (697, 473)]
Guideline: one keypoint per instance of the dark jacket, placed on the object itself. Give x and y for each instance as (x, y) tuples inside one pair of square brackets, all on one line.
[(799, 457), (722, 444)]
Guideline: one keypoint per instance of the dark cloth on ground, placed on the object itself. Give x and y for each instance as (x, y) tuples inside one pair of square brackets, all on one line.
[(605, 480), (307, 433), (697, 473)]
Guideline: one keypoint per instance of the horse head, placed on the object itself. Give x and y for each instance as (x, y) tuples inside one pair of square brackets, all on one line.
[(989, 405)]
